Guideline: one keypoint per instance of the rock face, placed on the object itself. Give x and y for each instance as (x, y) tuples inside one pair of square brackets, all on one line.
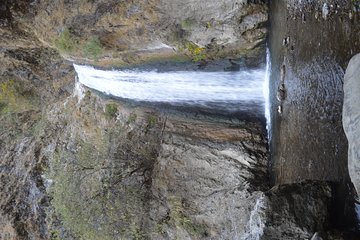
[(131, 32), (311, 43), (351, 118), (78, 165), (294, 214), (155, 176), (211, 175), (308, 139)]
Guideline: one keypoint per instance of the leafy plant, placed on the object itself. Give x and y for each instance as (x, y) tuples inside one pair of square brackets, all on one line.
[(93, 48), (65, 42), (197, 53)]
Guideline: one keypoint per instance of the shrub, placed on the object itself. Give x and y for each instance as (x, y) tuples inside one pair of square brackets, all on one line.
[(132, 118), (93, 48), (197, 53), (111, 110), (152, 120), (65, 42)]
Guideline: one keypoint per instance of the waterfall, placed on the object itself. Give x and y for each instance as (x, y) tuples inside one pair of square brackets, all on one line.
[(266, 91), (225, 90)]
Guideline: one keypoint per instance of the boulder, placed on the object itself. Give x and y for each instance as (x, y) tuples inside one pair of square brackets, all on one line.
[(351, 118)]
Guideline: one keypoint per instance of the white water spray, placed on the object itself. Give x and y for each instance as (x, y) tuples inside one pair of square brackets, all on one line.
[(190, 87), (266, 91), (256, 222)]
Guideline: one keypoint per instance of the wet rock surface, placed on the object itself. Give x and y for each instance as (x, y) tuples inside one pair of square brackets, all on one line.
[(304, 210), (142, 174), (311, 43), (308, 139), (351, 111), (216, 172), (32, 77)]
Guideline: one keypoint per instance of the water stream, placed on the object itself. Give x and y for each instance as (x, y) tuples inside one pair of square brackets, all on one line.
[(231, 91)]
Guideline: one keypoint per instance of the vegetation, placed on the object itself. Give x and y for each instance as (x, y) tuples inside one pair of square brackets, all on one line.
[(187, 23), (151, 122), (132, 118), (208, 25), (16, 97), (90, 198), (97, 190), (93, 48), (65, 43), (197, 53), (7, 95), (111, 110)]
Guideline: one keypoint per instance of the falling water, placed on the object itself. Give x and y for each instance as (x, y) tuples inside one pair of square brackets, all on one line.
[(266, 91), (232, 91)]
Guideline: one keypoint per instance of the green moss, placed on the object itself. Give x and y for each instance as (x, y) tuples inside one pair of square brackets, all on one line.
[(7, 93), (187, 23), (65, 42), (75, 192), (180, 220), (93, 48), (16, 97), (89, 196)]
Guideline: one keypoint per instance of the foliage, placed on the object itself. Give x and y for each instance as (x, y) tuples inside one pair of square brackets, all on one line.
[(197, 53), (93, 48), (111, 110), (65, 42)]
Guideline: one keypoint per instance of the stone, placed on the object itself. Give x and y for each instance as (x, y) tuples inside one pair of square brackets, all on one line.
[(351, 118)]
